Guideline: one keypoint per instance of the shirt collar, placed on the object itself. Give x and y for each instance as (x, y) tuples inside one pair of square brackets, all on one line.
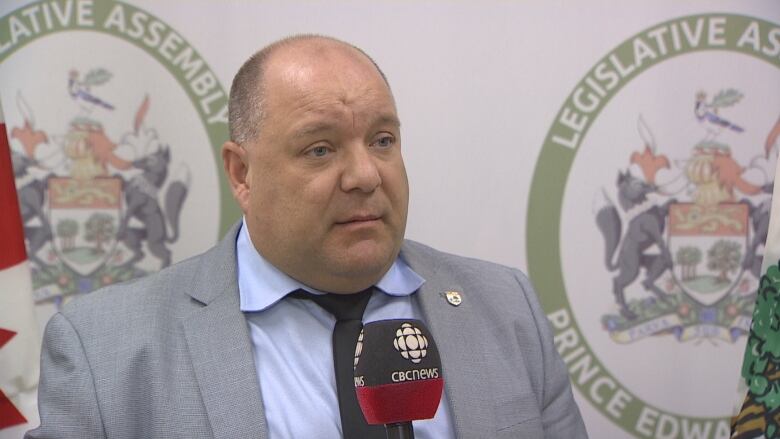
[(260, 284)]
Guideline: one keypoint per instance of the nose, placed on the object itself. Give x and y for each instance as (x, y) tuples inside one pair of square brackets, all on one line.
[(360, 171)]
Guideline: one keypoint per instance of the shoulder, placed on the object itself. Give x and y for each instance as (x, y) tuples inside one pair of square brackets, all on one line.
[(159, 295), (504, 294), (502, 306), (168, 294), (413, 251), (463, 270), (502, 302)]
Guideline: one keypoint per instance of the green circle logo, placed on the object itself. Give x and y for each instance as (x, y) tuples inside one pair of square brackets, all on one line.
[(116, 177), (673, 175)]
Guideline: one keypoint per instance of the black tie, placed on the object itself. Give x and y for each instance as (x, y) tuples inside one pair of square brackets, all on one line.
[(348, 310)]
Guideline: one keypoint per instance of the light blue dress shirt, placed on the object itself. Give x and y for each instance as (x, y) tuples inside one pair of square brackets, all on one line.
[(292, 346)]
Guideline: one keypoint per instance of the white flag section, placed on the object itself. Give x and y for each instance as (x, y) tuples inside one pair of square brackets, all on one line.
[(772, 246), (19, 335)]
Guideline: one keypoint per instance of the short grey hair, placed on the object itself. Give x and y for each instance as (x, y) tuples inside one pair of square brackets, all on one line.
[(246, 110)]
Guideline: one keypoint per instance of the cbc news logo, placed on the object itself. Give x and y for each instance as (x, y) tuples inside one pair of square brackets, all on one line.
[(411, 343)]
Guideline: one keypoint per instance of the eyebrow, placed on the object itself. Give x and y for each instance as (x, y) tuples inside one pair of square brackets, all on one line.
[(313, 128), (320, 127), (387, 119)]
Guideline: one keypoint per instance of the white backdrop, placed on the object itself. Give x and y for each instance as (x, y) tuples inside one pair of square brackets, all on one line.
[(478, 85)]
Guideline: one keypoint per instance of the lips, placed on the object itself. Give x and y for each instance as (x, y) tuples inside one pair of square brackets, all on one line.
[(359, 219)]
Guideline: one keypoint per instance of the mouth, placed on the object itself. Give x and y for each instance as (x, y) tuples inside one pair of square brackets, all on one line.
[(359, 219)]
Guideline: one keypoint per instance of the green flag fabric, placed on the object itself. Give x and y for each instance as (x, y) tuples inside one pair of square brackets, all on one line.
[(759, 416)]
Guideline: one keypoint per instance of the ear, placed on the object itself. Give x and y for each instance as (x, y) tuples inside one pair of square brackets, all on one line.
[(235, 161)]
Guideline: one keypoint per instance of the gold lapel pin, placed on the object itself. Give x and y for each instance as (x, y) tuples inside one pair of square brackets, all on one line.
[(453, 297)]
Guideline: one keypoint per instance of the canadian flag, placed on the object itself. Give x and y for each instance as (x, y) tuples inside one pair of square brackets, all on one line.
[(19, 334)]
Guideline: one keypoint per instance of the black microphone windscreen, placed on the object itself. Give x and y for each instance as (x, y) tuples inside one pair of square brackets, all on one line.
[(398, 374)]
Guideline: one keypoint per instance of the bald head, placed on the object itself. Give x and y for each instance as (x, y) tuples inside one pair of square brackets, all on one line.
[(246, 107)]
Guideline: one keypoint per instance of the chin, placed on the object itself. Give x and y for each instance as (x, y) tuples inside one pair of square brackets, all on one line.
[(366, 259)]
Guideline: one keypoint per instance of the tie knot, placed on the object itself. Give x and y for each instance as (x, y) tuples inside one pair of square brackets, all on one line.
[(342, 306)]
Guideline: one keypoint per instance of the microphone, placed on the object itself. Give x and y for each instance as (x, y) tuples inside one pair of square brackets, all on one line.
[(398, 376)]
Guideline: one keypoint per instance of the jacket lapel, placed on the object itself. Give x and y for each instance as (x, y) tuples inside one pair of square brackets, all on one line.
[(457, 331), (221, 350)]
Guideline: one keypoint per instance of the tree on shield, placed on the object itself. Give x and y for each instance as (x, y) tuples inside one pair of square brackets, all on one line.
[(695, 258), (683, 259), (688, 257), (99, 229), (67, 229), (724, 257)]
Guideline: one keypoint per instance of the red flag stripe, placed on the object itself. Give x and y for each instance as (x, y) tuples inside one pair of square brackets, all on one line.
[(5, 336), (11, 233), (9, 415)]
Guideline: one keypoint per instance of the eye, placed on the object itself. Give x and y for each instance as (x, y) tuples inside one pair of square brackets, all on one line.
[(318, 151), (384, 141)]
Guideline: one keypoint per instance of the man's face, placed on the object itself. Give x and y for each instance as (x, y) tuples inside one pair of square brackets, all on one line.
[(326, 188)]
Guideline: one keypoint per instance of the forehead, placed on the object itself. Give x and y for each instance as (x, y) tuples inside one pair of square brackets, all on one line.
[(321, 75)]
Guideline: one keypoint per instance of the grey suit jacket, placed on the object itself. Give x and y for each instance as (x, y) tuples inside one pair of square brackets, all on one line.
[(169, 355)]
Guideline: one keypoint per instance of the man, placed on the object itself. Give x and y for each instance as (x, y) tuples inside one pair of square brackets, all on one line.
[(217, 346)]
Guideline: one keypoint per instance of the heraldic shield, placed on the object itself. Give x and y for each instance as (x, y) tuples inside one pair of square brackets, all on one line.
[(708, 244), (84, 215)]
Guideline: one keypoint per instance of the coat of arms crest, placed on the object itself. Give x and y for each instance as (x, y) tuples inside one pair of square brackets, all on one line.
[(93, 208), (692, 243)]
